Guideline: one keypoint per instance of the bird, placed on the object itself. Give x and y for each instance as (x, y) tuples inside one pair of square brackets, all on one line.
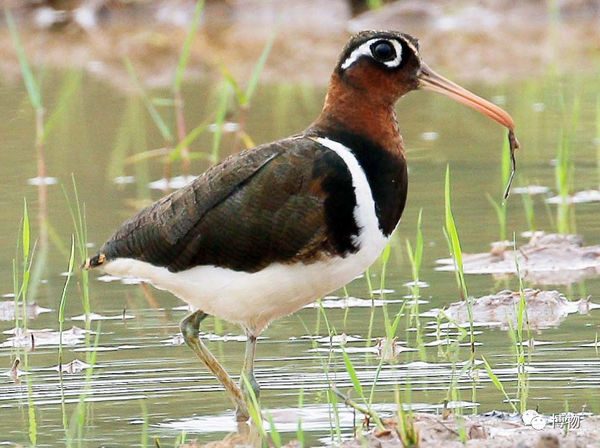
[(271, 229)]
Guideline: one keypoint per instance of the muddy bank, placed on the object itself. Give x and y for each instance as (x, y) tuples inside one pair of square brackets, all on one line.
[(481, 431), (496, 41), (492, 430)]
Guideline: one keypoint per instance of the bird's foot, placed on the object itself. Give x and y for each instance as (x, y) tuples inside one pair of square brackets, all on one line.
[(190, 327), (241, 412)]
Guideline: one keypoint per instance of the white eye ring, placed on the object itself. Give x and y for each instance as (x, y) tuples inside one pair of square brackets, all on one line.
[(365, 50)]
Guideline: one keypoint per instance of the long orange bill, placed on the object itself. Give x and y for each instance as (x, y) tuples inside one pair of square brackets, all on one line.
[(430, 80)]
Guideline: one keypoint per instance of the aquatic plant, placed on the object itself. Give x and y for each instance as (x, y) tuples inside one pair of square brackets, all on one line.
[(498, 384), (77, 422), (181, 149), (21, 280), (453, 240), (407, 432), (61, 322), (34, 95), (78, 218), (416, 257), (519, 341), (244, 97), (564, 172), (254, 408), (178, 81), (299, 431), (159, 122), (522, 347)]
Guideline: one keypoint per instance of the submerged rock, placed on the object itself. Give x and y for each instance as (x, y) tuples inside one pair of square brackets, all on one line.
[(548, 259)]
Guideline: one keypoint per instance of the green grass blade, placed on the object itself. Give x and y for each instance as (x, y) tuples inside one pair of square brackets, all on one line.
[(461, 330), (31, 84), (77, 213), (391, 332), (333, 401), (31, 414), (220, 115), (254, 407), (68, 90), (241, 95), (63, 301), (300, 432), (187, 46), (275, 437), (258, 68), (123, 140), (353, 377), (156, 117), (193, 135), (385, 258), (497, 383), (416, 256), (452, 234), (26, 234)]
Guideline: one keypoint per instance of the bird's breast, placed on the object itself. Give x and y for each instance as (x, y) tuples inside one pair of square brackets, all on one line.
[(379, 181)]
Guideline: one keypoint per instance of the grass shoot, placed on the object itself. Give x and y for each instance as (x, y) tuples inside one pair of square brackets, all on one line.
[(451, 233)]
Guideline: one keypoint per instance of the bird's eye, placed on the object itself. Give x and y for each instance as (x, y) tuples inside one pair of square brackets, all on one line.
[(383, 51)]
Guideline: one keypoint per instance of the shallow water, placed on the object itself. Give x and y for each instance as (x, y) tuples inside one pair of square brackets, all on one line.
[(140, 356)]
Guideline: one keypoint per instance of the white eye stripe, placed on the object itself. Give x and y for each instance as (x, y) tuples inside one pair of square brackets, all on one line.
[(365, 50)]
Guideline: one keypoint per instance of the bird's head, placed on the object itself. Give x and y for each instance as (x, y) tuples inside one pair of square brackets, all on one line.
[(385, 65)]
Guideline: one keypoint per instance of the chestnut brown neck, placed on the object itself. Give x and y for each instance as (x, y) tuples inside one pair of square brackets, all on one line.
[(366, 125), (362, 112)]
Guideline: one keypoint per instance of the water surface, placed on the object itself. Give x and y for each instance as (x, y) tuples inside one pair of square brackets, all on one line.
[(140, 357)]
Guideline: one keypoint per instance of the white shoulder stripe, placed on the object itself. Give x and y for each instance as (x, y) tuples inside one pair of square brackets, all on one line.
[(365, 50), (364, 212)]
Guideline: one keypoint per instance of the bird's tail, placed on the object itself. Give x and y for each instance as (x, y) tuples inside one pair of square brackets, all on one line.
[(94, 262)]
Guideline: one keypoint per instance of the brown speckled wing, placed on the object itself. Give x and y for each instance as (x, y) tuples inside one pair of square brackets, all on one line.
[(288, 201)]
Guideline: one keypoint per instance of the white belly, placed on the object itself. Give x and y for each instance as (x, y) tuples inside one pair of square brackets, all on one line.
[(253, 300)]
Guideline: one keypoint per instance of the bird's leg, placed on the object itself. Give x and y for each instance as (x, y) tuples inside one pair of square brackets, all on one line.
[(190, 328), (248, 368)]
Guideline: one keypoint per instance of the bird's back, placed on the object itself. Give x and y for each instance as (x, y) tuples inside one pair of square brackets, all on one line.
[(283, 202)]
